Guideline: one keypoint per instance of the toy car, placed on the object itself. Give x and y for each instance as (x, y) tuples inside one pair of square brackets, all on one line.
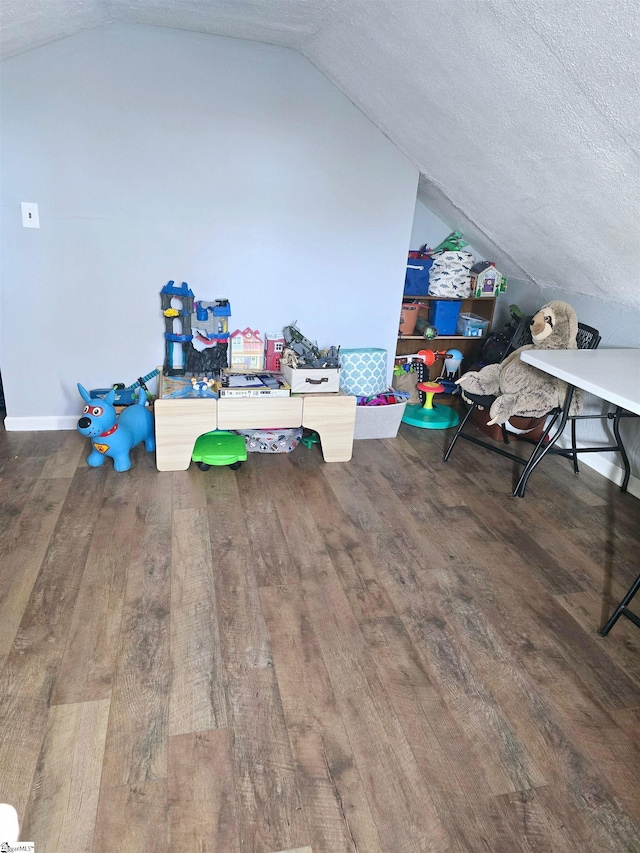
[(219, 448)]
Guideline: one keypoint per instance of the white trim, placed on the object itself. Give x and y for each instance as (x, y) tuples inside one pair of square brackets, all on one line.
[(604, 466), (39, 424)]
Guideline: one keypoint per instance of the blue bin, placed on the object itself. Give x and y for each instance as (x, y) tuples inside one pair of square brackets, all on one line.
[(443, 314), (416, 282)]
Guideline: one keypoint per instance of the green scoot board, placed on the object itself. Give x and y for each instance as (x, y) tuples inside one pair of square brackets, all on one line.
[(219, 448)]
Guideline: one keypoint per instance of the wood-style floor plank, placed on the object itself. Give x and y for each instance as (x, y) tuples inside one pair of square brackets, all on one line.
[(337, 812), (201, 795), (401, 809), (197, 699), (495, 746), (63, 461), (440, 745), (268, 805), (61, 813), (25, 546), (88, 666), (133, 816), (381, 656), (335, 802), (136, 750), (29, 673)]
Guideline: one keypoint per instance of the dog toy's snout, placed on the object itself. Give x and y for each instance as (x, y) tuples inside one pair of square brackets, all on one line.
[(83, 423)]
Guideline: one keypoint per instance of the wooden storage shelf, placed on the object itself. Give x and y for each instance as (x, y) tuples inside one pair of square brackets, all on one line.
[(440, 338), (470, 348)]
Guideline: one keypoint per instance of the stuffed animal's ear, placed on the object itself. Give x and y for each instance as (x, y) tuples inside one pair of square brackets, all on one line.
[(84, 393), (111, 396)]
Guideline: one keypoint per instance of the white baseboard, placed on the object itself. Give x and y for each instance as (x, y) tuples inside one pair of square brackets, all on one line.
[(600, 463), (39, 424)]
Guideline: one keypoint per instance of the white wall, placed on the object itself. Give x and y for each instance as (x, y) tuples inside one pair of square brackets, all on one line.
[(157, 154), (430, 229)]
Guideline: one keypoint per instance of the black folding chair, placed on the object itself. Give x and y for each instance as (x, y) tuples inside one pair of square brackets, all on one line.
[(586, 338)]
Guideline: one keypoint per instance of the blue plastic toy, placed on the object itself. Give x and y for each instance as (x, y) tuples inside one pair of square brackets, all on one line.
[(112, 435)]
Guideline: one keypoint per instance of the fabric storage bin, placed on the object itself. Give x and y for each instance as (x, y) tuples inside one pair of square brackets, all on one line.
[(416, 282), (443, 314), (307, 380), (271, 440), (450, 275), (378, 421), (363, 372)]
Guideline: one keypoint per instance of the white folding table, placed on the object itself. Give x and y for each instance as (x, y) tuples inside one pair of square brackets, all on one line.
[(614, 376)]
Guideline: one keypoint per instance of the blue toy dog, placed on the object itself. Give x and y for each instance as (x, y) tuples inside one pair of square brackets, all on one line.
[(112, 435)]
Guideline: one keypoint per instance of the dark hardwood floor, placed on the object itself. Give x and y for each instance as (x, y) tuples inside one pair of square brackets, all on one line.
[(380, 656)]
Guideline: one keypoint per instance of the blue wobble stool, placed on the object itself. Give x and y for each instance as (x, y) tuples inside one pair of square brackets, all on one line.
[(429, 416)]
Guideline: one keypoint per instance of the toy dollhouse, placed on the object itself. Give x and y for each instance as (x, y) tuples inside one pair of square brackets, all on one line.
[(247, 351), (485, 279), (273, 348)]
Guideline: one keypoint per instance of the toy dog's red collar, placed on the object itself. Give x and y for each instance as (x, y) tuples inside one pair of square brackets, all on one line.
[(109, 431)]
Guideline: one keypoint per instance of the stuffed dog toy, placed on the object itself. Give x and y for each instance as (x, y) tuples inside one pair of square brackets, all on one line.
[(519, 388), (112, 435)]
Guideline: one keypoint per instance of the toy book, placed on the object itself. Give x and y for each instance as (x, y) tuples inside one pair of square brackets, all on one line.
[(262, 384)]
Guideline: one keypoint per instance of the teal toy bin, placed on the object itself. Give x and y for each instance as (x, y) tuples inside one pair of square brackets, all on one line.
[(363, 372)]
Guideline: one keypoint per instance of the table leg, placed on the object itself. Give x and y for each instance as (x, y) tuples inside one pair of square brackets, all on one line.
[(334, 421), (623, 610), (178, 424)]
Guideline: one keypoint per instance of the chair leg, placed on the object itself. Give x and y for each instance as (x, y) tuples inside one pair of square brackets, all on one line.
[(536, 457), (457, 433), (538, 454), (574, 455)]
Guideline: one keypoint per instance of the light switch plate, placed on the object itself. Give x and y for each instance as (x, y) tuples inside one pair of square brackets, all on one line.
[(30, 217)]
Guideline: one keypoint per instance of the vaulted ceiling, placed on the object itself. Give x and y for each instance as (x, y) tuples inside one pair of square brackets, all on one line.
[(521, 115)]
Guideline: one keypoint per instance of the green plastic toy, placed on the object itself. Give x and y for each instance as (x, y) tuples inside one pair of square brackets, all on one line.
[(219, 448), (310, 439), (453, 243)]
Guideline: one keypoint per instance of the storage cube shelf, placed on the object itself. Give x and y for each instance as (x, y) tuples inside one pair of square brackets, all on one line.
[(470, 347)]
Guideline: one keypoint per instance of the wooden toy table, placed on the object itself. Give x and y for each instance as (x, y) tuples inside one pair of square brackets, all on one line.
[(180, 421)]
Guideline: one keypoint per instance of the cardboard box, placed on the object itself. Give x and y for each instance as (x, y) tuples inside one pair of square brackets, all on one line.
[(378, 421), (309, 381)]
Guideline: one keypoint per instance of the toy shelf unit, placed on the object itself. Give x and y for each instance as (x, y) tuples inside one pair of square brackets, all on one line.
[(479, 307)]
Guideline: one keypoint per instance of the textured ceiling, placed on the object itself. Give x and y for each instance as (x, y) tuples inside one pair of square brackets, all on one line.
[(522, 115)]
